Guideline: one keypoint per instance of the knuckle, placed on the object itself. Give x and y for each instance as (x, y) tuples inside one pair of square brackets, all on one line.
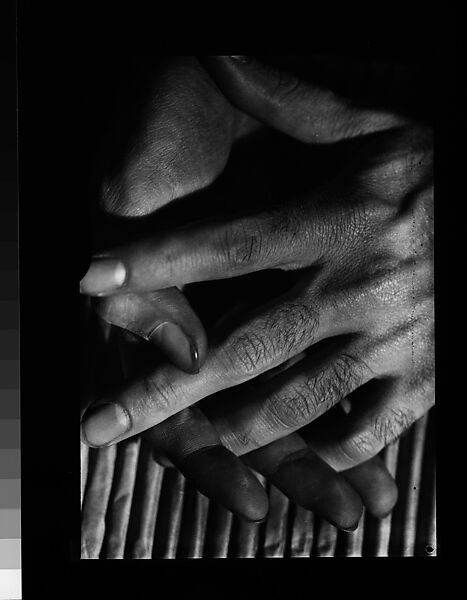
[(289, 410), (282, 333), (400, 160), (333, 384), (410, 232), (365, 218), (293, 325), (158, 393), (388, 427), (286, 84), (383, 281), (241, 244), (238, 441), (360, 447), (348, 227), (288, 234), (345, 375), (309, 396), (388, 282), (248, 353)]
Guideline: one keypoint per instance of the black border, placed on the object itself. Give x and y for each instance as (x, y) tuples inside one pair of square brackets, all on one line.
[(53, 45)]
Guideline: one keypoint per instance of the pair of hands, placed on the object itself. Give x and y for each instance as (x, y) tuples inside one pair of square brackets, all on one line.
[(350, 342)]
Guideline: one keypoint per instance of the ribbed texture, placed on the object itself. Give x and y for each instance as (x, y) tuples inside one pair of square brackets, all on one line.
[(134, 508)]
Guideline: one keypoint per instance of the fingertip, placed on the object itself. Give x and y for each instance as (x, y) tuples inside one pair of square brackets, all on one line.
[(382, 504), (375, 485), (104, 276), (221, 476), (253, 505), (177, 346), (314, 485), (104, 423), (344, 505)]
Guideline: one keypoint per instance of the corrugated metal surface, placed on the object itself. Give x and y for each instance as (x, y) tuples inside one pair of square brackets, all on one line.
[(134, 508)]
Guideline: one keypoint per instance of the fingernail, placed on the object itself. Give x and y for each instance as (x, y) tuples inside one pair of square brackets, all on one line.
[(258, 521), (350, 529), (104, 423), (104, 275), (347, 530), (178, 347), (242, 59)]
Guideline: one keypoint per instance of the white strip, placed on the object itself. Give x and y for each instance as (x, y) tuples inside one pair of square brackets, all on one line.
[(10, 584)]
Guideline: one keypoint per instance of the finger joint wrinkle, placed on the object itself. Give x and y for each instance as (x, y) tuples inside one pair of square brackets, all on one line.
[(158, 393), (249, 352), (241, 244), (293, 326), (390, 426)]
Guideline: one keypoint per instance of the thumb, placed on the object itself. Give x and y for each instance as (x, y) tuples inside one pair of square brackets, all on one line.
[(164, 319), (168, 141), (306, 111)]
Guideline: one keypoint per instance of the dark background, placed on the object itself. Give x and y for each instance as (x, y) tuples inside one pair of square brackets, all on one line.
[(68, 60)]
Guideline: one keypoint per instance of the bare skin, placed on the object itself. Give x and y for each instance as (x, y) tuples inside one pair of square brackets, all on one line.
[(362, 309)]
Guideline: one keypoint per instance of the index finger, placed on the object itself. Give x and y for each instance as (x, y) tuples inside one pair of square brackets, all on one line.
[(295, 234)]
